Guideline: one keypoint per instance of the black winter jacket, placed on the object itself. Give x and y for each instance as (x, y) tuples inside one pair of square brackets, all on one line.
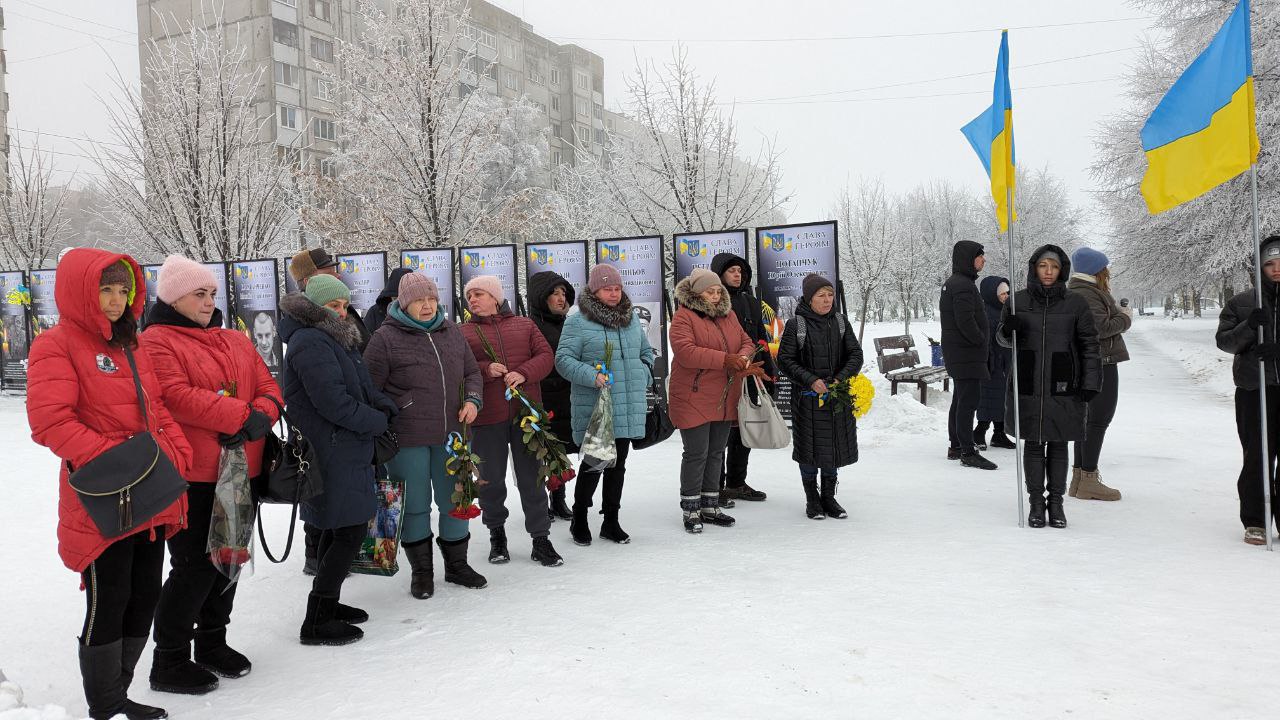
[(378, 313), (1236, 337), (991, 403), (1058, 357), (826, 437), (964, 324), (746, 306), (555, 388)]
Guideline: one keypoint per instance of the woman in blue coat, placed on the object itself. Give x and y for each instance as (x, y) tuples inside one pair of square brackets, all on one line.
[(333, 403), (605, 315)]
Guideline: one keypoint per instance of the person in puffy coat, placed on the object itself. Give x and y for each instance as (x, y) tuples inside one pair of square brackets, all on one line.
[(605, 315), (1059, 372), (523, 359), (81, 402), (377, 314), (825, 437), (550, 297), (964, 350), (420, 360), (735, 275), (711, 354), (995, 292), (333, 403), (222, 394)]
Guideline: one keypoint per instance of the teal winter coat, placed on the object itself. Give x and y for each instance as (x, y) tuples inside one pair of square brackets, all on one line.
[(582, 346)]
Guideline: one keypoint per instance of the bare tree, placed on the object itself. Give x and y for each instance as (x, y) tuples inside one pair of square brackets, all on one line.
[(193, 170), (865, 215), (33, 221)]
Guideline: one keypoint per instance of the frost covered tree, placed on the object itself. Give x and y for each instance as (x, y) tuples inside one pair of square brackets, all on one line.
[(1046, 215), (1206, 243), (33, 218), (870, 237), (192, 169)]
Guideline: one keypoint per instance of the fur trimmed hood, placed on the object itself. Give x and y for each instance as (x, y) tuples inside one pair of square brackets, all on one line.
[(300, 312), (618, 316), (688, 298)]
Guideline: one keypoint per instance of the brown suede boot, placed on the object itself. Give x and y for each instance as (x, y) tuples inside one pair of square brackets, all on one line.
[(1075, 481), (1091, 488)]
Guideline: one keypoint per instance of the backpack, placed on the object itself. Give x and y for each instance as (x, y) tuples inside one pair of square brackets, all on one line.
[(802, 330)]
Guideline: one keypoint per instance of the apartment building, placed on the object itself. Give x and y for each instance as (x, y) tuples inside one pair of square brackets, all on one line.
[(4, 112)]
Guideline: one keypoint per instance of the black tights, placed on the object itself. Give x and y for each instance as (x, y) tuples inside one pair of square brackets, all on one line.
[(337, 550), (121, 588)]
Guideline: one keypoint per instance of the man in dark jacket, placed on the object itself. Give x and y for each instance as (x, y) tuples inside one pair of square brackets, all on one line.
[(550, 297), (964, 350), (735, 274), (378, 313), (1238, 326)]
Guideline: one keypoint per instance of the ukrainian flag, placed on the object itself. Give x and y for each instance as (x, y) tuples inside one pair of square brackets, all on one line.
[(1203, 132), (991, 135)]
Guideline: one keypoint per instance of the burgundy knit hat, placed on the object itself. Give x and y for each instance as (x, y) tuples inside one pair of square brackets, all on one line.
[(812, 283), (415, 286), (603, 275)]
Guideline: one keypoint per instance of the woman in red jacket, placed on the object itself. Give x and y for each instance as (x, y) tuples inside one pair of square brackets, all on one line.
[(81, 402), (221, 393), (711, 354), (524, 359)]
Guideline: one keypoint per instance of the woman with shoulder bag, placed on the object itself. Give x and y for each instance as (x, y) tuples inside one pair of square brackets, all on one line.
[(333, 403), (826, 435), (605, 316), (420, 360), (219, 390), (83, 384), (711, 354)]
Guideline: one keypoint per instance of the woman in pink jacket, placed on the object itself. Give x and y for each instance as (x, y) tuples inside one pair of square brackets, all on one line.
[(711, 355)]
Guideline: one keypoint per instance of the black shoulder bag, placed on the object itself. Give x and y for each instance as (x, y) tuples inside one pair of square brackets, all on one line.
[(289, 475), (131, 483)]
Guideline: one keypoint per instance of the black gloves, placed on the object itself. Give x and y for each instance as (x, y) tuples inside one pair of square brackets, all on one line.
[(1014, 324), (1269, 351), (1257, 318), (257, 426), (1086, 395)]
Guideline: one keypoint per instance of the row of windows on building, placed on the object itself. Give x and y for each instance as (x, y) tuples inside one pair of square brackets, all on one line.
[(320, 9), (290, 116), (286, 33)]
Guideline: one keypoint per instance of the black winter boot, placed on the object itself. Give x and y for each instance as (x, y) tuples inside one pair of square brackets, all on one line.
[(498, 553), (557, 507), (829, 504), (975, 460), (348, 614), (1057, 486), (545, 553), (321, 627), (130, 651), (611, 530), (422, 583), (213, 654), (173, 672), (100, 674), (1033, 469), (812, 499), (712, 514), (999, 439), (980, 435), (456, 568), (579, 529), (691, 509)]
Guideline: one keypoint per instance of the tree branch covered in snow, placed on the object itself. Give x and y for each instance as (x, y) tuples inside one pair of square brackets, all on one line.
[(33, 221)]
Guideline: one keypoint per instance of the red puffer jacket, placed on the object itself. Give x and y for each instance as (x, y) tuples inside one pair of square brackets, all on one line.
[(81, 399), (520, 346), (193, 365)]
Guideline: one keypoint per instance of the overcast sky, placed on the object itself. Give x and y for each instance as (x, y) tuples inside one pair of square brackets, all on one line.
[(57, 73)]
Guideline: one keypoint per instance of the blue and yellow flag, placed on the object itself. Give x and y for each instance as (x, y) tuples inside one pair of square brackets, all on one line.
[(1203, 132), (991, 135)]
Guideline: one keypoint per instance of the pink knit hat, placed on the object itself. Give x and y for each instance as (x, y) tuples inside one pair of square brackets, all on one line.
[(602, 276), (179, 276), (416, 286), (487, 283)]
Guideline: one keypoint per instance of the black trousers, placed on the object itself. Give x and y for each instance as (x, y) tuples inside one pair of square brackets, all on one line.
[(337, 550), (965, 395), (587, 480), (736, 456), (121, 588), (196, 595), (1249, 485), (1101, 410)]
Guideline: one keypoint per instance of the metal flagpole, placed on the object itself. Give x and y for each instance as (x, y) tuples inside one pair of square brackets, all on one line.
[(1262, 366), (1017, 416)]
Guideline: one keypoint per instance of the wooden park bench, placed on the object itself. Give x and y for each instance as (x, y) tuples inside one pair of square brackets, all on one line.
[(904, 366)]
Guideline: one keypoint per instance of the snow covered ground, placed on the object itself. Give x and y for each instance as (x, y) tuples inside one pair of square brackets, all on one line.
[(929, 602)]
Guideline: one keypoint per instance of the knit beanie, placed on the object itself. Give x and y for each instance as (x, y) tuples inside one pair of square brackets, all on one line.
[(1271, 249), (179, 276), (1002, 288), (603, 275), (812, 283), (323, 289), (1088, 261), (487, 283), (702, 279), (118, 273), (416, 286), (1049, 254)]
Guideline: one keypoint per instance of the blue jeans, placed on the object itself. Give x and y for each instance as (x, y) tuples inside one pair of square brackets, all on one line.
[(421, 469), (809, 472)]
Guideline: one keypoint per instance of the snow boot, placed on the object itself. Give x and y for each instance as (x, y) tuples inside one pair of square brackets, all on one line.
[(100, 675), (322, 627), (711, 512), (1034, 476), (999, 439), (726, 497), (349, 615), (545, 553), (213, 654), (691, 507), (422, 582), (611, 530), (980, 435), (974, 460), (579, 529), (741, 492), (456, 568), (812, 499), (498, 553), (130, 651), (1090, 487), (173, 672), (1253, 536), (953, 453), (829, 504), (557, 506), (1035, 517), (1075, 481), (1057, 487)]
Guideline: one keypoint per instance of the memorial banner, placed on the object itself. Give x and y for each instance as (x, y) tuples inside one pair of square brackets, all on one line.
[(14, 337), (436, 264), (365, 274), (44, 306), (568, 259), (640, 262), (497, 260), (255, 299), (696, 250), (151, 273)]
